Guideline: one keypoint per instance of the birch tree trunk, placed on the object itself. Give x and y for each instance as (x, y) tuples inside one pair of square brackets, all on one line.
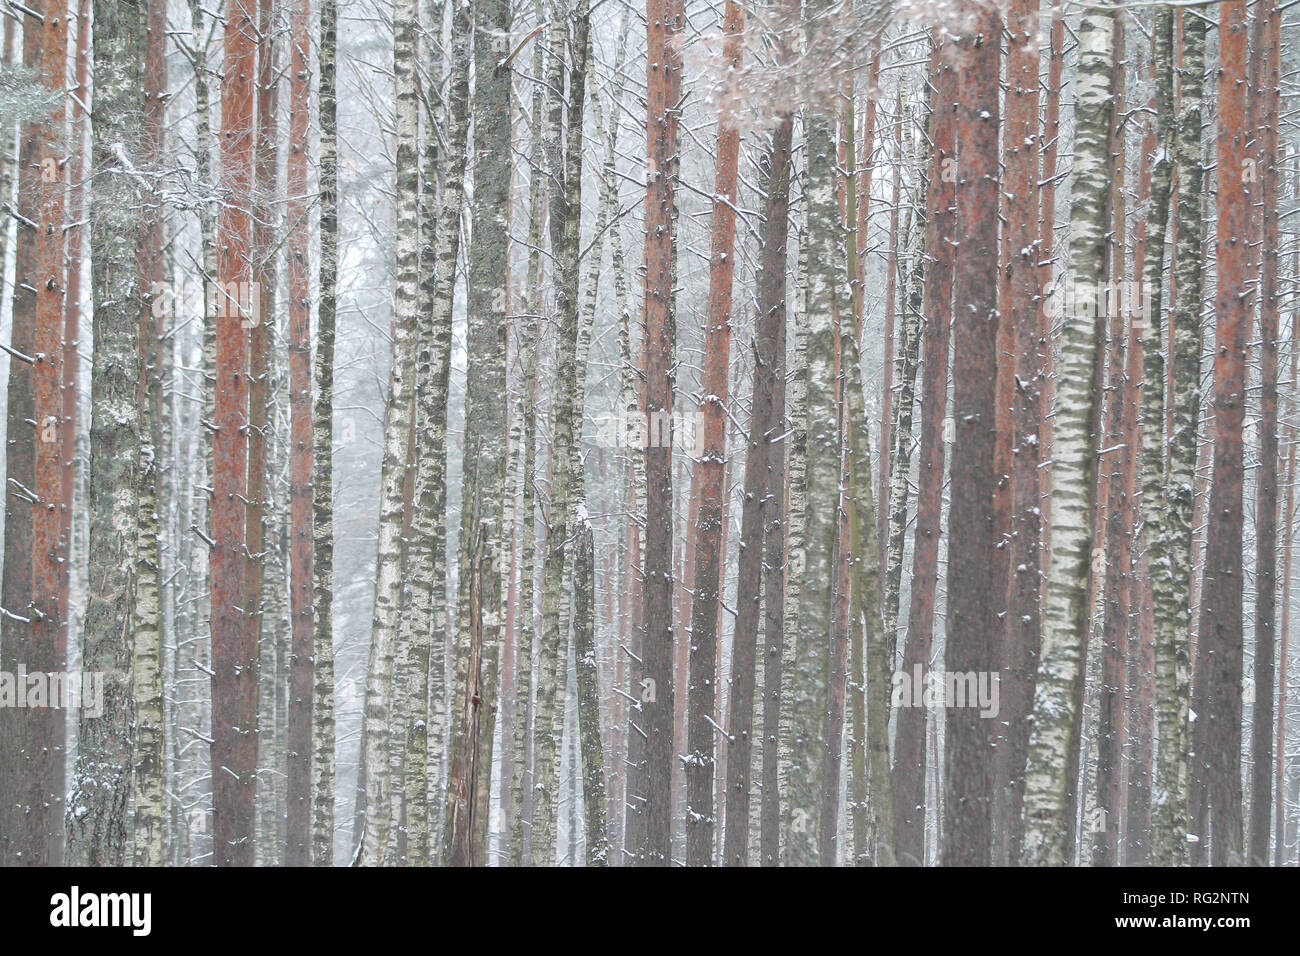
[(808, 702), (565, 163), (97, 830), (322, 451), (1053, 746), (520, 791), (1172, 551), (149, 829), (397, 431)]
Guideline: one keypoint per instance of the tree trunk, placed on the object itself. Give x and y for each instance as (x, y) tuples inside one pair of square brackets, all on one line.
[(663, 77), (708, 476), (397, 431), (1220, 633), (97, 829), (972, 609), (234, 645), (909, 745)]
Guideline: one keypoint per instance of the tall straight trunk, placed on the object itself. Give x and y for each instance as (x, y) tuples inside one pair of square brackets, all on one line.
[(909, 744), (1023, 251), (301, 676), (565, 163), (809, 679), (98, 831), (520, 792), (761, 517), (322, 452), (1267, 44), (871, 641), (1220, 633), (483, 479), (264, 251), (48, 650), (707, 478), (795, 532), (1150, 327), (1053, 746), (234, 645), (663, 77), (148, 798), (972, 609), (1115, 586), (426, 558), (76, 267), (397, 430), (1171, 555)]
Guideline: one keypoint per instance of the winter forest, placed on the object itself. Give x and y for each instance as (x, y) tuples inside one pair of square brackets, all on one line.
[(698, 433)]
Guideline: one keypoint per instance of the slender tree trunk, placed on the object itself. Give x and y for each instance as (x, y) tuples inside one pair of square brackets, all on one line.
[(98, 830), (909, 746), (708, 476), (664, 76), (148, 796), (1171, 555), (1220, 633), (234, 645), (322, 451), (972, 609), (302, 701), (397, 431), (483, 477), (1023, 251), (1267, 44)]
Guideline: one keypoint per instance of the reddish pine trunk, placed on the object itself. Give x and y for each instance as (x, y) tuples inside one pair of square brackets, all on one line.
[(1023, 249), (707, 480), (972, 607), (234, 643), (1220, 652), (663, 78), (301, 672), (48, 640)]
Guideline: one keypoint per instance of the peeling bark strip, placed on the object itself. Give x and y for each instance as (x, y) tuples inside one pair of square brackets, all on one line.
[(972, 609), (707, 480), (98, 831), (1219, 670), (234, 644), (301, 676), (1053, 746)]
